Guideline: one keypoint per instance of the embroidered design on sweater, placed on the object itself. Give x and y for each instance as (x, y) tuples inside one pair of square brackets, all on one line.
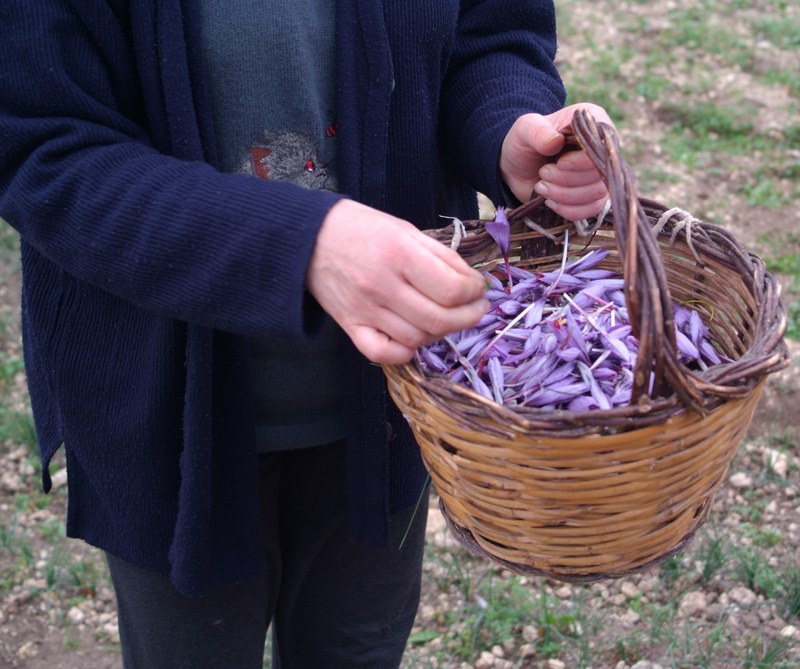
[(292, 157)]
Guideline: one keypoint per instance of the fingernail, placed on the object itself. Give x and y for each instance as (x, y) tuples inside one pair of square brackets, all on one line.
[(547, 173), (541, 188)]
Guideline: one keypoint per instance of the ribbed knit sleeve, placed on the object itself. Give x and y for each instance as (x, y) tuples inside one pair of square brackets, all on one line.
[(86, 184), (501, 68)]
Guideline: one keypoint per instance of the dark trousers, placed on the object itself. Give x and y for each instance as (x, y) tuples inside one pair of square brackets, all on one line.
[(332, 603)]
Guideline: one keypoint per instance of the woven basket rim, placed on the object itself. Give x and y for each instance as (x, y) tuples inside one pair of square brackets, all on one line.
[(701, 244), (495, 466)]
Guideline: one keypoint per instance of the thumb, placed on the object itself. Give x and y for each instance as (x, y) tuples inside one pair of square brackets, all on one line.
[(543, 137)]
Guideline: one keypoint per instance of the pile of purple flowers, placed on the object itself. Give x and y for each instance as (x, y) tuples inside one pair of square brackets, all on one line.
[(556, 340)]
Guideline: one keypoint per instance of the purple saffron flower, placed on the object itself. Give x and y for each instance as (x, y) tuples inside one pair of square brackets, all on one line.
[(556, 340), (680, 316), (595, 274), (709, 353), (582, 403), (686, 347), (433, 361), (492, 282), (500, 230), (602, 400), (556, 394), (510, 308), (497, 379), (697, 330)]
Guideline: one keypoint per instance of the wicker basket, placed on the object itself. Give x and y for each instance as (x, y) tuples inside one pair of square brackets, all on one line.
[(599, 494)]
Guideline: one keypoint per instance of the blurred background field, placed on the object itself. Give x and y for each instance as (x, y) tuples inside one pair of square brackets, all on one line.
[(706, 97)]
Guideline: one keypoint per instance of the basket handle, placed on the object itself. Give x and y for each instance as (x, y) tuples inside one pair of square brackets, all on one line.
[(647, 293)]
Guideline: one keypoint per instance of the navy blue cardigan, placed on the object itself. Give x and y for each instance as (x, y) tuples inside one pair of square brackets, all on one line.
[(145, 269)]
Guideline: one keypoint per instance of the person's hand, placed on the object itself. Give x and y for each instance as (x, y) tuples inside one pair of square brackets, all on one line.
[(390, 287), (572, 187)]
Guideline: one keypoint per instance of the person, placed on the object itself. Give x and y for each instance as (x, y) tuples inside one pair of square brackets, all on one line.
[(221, 209)]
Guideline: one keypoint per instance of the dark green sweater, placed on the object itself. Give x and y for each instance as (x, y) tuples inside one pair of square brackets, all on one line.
[(270, 69)]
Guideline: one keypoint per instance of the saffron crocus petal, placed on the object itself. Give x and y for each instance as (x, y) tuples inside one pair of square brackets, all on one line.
[(591, 295), (500, 230), (496, 294), (556, 394), (622, 395), (549, 343), (502, 348), (529, 348), (497, 379), (685, 346), (432, 362), (530, 371), (478, 348), (709, 353), (530, 288), (465, 344), (481, 388), (680, 315), (510, 308), (488, 320), (618, 298), (492, 282), (618, 348), (534, 341), (559, 373), (587, 260), (619, 331), (576, 336), (606, 284), (603, 373), (594, 274), (535, 313), (571, 354), (696, 328), (598, 395), (521, 274), (457, 375), (565, 281), (582, 403)]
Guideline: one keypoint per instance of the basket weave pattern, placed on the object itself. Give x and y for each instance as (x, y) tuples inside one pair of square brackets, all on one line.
[(581, 496)]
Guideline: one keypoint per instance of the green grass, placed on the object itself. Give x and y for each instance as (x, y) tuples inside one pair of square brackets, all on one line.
[(490, 606), (783, 259), (781, 31)]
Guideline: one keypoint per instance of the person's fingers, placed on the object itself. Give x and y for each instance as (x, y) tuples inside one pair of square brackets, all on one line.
[(552, 173), (543, 138), (390, 287), (520, 160), (564, 116), (572, 195), (577, 212), (440, 282), (391, 335), (432, 318), (448, 255), (380, 348), (575, 161)]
